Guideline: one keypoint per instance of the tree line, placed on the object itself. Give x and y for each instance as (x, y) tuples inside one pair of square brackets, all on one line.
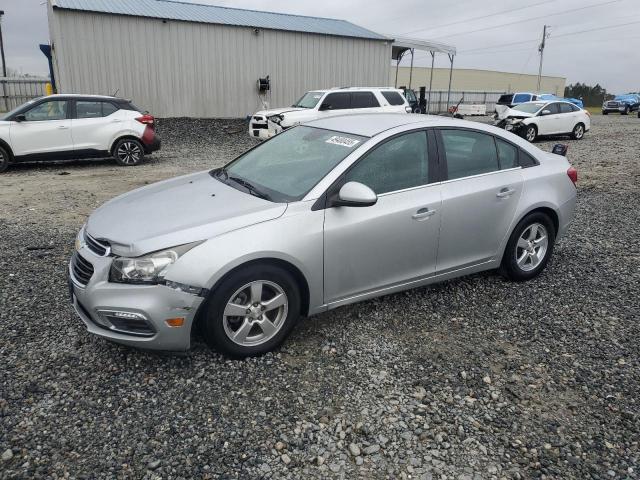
[(592, 96)]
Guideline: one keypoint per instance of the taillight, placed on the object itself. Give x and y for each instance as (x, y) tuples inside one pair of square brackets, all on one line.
[(588, 113), (573, 174), (146, 119)]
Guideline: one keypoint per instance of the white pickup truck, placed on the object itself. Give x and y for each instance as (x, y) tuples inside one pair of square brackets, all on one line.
[(322, 103)]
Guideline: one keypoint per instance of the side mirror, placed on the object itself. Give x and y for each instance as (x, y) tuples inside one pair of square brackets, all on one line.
[(325, 106), (355, 194), (20, 118), (545, 112)]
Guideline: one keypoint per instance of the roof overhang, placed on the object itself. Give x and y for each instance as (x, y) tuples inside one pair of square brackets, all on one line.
[(402, 44)]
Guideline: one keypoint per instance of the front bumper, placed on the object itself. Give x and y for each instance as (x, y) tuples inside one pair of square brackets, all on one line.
[(619, 109), (153, 303), (262, 128)]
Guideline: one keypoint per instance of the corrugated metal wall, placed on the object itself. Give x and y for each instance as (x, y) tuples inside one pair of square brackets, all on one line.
[(203, 70)]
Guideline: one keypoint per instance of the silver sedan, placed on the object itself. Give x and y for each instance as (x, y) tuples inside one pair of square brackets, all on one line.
[(325, 214)]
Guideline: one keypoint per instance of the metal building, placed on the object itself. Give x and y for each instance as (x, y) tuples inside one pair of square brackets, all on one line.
[(182, 59)]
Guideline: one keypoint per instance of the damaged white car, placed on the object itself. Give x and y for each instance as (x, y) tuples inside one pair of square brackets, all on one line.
[(319, 104), (531, 120)]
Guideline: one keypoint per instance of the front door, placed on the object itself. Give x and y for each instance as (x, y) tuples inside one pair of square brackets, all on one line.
[(479, 198), (46, 130), (394, 241)]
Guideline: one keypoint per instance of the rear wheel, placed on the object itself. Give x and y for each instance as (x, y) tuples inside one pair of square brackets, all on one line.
[(578, 132), (530, 133), (4, 159), (252, 311), (529, 248), (604, 112), (128, 152), (626, 111)]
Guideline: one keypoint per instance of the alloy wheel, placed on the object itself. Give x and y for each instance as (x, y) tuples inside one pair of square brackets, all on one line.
[(129, 153), (532, 247), (578, 132), (531, 134), (255, 313)]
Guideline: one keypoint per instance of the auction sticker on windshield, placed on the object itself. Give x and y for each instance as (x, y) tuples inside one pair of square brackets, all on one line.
[(344, 141)]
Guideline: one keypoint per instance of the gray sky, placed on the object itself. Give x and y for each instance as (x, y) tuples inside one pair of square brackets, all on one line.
[(609, 54)]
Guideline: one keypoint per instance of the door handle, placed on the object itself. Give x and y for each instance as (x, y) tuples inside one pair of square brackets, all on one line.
[(62, 127), (505, 192), (423, 214), (116, 121)]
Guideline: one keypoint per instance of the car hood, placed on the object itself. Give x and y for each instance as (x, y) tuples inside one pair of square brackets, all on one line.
[(510, 113), (278, 111), (177, 211)]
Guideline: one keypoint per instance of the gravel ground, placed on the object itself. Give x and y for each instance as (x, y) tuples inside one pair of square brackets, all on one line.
[(470, 379)]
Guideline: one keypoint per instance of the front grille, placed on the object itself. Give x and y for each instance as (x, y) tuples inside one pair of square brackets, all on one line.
[(99, 247), (257, 126), (612, 104), (82, 269)]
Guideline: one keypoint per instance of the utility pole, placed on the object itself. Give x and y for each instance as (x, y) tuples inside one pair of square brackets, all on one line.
[(4, 66), (541, 50)]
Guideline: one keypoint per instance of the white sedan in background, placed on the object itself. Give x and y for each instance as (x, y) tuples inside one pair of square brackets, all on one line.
[(534, 119)]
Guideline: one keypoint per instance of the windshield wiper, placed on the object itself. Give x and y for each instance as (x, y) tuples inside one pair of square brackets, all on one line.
[(252, 189)]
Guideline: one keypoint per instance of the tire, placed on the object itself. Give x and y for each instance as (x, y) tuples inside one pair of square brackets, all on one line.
[(578, 132), (238, 293), (530, 133), (522, 262), (605, 112), (626, 111), (5, 159), (128, 152)]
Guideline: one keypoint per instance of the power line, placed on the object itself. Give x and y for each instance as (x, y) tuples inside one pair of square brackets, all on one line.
[(529, 19), (555, 36), (478, 18)]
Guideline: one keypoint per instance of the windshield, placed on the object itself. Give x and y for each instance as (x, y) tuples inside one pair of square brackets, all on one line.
[(309, 100), (12, 112), (532, 107), (286, 167)]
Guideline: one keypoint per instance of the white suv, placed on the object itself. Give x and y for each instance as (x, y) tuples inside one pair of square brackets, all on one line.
[(318, 104), (60, 127)]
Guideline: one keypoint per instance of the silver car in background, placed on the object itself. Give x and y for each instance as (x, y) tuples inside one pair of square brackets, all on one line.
[(325, 214)]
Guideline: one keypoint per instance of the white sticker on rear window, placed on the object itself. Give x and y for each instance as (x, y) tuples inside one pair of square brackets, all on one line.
[(344, 141)]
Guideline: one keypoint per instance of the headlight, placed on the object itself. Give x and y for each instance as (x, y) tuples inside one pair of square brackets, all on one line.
[(276, 119), (147, 269)]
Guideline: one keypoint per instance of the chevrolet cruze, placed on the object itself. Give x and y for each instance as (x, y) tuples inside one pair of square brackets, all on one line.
[(322, 215)]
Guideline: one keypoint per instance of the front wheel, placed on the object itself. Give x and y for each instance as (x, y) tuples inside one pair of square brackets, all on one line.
[(578, 132), (530, 133), (626, 111), (529, 248), (252, 311), (128, 152)]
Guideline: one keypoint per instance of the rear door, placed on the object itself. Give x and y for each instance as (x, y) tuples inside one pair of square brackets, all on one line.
[(46, 130), (364, 102), (394, 100), (480, 193), (569, 117), (94, 125)]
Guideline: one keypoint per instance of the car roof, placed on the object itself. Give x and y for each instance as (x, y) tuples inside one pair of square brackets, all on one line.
[(353, 89), (372, 124), (64, 96)]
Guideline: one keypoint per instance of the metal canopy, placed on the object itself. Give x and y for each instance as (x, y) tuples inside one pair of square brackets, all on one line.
[(402, 45)]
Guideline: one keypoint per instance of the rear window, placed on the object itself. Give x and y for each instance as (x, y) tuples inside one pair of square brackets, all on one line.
[(566, 108), (394, 98), (363, 100)]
